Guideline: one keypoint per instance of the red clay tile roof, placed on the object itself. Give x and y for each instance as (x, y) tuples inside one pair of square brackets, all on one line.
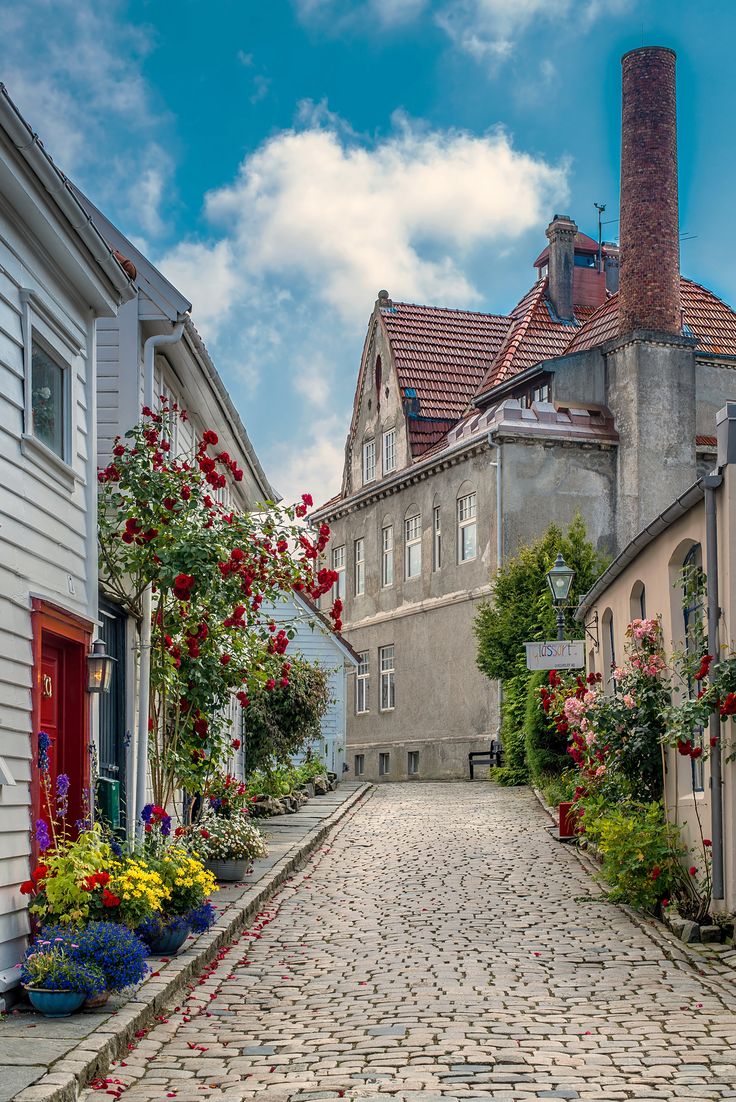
[(441, 354), (424, 434), (706, 441), (705, 316), (534, 336)]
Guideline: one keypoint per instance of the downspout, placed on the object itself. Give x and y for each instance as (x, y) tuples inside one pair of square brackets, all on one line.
[(711, 482), (144, 675), (497, 463)]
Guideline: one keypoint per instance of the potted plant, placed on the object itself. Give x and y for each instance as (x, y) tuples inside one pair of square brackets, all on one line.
[(186, 883), (111, 947), (228, 845), (57, 983)]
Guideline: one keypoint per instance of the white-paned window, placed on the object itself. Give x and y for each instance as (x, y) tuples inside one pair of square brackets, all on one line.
[(413, 546), (467, 528), (384, 765), (49, 399), (361, 684), (338, 565), (369, 461), (436, 538), (359, 566), (389, 451), (412, 764), (387, 555), (386, 662)]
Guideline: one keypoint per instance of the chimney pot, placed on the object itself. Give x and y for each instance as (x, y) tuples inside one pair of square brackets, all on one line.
[(561, 234), (649, 296)]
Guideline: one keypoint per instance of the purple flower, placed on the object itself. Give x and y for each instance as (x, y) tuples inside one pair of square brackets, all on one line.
[(42, 835), (166, 826), (62, 795), (147, 813), (44, 745)]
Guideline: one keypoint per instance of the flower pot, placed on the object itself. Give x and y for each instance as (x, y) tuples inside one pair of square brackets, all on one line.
[(55, 1004), (94, 1002), (169, 941), (229, 871), (568, 821)]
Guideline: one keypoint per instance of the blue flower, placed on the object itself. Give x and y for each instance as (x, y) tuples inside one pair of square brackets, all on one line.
[(44, 745), (147, 813), (42, 835), (110, 946)]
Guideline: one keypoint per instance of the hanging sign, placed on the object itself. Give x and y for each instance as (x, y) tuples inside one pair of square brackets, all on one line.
[(565, 655)]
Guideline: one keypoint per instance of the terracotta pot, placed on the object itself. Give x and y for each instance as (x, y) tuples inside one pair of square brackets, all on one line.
[(94, 1002)]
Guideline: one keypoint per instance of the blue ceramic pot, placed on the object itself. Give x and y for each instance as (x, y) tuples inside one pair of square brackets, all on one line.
[(170, 941), (55, 1004)]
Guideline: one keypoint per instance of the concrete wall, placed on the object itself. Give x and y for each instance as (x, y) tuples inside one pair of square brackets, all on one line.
[(715, 384)]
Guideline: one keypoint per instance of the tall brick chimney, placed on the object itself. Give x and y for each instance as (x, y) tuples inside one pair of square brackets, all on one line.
[(561, 236), (649, 296)]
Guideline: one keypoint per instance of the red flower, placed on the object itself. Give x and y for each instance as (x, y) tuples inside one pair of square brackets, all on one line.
[(40, 872), (307, 499), (27, 887), (183, 585), (270, 684), (225, 658), (179, 831), (656, 872), (704, 667), (707, 842), (692, 870), (210, 437), (235, 744), (109, 899), (201, 726), (204, 833)]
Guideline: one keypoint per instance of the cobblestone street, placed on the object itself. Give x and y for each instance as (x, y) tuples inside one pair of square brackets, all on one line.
[(442, 945)]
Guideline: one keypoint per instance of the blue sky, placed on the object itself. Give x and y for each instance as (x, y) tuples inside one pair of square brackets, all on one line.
[(281, 162)]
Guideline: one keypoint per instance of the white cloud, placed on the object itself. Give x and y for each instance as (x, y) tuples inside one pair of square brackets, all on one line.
[(339, 219), (489, 30), (75, 69), (208, 275), (315, 465), (340, 15)]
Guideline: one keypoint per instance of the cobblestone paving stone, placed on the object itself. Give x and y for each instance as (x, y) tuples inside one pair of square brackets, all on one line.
[(443, 946)]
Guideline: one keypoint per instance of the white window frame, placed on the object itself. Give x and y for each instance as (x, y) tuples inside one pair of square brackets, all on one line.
[(436, 538), (43, 327), (359, 567), (412, 758), (387, 556), (387, 676), (362, 684), (338, 565), (359, 758), (369, 461), (389, 451), (467, 518), (412, 543), (384, 763)]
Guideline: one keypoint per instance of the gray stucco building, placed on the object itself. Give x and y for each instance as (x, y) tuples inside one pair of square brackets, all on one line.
[(472, 432)]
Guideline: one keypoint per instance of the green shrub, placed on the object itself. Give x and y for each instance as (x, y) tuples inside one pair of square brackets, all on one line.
[(642, 853), (558, 788), (546, 748), (280, 722), (514, 770)]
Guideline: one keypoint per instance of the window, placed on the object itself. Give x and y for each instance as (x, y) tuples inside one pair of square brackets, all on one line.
[(384, 765), (359, 565), (389, 451), (693, 609), (48, 400), (466, 528), (387, 668), (359, 765), (412, 766), (387, 555), (338, 565), (609, 650), (436, 538), (369, 461), (361, 685), (413, 548), (637, 602)]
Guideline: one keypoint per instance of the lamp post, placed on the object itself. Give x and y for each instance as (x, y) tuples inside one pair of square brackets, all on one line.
[(559, 580), (99, 668)]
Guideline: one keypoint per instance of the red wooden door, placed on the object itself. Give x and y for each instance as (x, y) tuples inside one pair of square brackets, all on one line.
[(51, 712)]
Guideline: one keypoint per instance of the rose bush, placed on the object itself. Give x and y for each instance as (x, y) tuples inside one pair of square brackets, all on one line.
[(212, 573)]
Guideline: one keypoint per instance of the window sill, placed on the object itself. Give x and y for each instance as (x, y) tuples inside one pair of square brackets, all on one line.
[(49, 462)]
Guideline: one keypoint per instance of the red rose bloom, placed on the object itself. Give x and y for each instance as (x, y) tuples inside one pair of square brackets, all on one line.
[(692, 870), (235, 744), (109, 899), (27, 887)]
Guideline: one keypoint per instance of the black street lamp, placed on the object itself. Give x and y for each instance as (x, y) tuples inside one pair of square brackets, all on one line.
[(559, 580), (99, 668)]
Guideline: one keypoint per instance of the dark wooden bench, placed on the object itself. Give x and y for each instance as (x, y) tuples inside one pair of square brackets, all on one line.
[(492, 756)]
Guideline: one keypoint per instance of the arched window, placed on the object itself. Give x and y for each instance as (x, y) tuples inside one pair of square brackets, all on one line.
[(412, 542), (637, 602), (693, 616), (467, 523), (609, 650)]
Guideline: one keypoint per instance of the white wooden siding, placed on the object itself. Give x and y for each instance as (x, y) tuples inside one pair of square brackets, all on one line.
[(43, 532)]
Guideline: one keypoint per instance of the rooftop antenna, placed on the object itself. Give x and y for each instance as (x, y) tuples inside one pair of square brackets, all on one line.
[(600, 207)]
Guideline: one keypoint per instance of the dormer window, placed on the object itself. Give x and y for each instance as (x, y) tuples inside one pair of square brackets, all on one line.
[(369, 461)]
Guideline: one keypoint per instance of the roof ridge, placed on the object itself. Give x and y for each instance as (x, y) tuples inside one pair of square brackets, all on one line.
[(447, 310), (515, 334)]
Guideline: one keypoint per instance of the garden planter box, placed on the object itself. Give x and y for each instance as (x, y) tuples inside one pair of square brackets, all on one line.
[(568, 820), (231, 871)]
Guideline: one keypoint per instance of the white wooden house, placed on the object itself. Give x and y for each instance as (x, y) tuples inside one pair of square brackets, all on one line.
[(319, 644), (57, 275), (185, 373)]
